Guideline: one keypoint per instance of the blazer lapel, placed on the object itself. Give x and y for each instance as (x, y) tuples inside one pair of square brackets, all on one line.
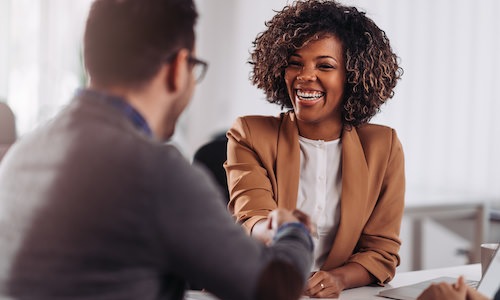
[(353, 199), (288, 162)]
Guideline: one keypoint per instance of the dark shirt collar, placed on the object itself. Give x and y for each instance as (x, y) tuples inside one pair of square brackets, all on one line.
[(121, 104)]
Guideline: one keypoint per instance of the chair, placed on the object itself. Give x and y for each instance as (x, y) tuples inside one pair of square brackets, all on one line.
[(7, 128), (212, 156)]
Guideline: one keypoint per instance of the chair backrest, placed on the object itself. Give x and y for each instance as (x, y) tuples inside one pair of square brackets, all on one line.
[(213, 155), (7, 128)]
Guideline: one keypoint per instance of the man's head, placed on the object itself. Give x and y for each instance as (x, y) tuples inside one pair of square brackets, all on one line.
[(127, 41)]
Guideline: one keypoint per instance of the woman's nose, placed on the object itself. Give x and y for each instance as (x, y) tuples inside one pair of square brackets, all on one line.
[(306, 74)]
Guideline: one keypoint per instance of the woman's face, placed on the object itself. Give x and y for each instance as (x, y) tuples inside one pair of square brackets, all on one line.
[(315, 78)]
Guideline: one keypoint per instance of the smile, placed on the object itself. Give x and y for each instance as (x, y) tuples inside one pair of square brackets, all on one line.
[(309, 95)]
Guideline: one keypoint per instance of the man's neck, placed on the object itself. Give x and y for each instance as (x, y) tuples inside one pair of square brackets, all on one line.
[(143, 101)]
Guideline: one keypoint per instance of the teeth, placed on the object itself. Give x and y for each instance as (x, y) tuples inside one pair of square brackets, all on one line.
[(309, 95)]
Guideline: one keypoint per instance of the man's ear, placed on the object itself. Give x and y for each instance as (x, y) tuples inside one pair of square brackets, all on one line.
[(178, 73)]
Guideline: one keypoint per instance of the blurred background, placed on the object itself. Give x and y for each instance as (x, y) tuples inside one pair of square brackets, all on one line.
[(445, 109)]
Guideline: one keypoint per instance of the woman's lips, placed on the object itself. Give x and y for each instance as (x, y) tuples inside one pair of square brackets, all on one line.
[(308, 97)]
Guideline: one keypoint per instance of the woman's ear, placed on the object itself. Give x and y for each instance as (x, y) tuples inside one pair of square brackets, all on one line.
[(178, 71)]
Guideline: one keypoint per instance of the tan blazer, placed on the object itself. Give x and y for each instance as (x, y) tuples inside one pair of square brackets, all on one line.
[(263, 165)]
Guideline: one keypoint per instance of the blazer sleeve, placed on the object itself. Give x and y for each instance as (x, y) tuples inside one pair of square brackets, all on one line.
[(249, 176), (378, 246)]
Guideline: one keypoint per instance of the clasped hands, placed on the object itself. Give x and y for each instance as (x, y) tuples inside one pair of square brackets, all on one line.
[(280, 216), (321, 284)]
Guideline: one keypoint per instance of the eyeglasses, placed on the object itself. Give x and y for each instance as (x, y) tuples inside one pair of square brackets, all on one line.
[(199, 68)]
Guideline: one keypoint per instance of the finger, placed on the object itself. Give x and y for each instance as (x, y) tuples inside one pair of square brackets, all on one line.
[(472, 293), (313, 292), (312, 284), (269, 222), (311, 226), (314, 280), (304, 218), (461, 286), (327, 292), (270, 218), (276, 217), (317, 283)]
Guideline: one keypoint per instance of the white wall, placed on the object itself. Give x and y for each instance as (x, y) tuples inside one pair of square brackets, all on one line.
[(4, 59), (40, 65)]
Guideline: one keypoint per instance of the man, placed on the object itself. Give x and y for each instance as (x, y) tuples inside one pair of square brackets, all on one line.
[(94, 206)]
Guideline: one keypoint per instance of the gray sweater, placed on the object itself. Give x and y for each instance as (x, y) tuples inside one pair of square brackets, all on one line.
[(92, 208)]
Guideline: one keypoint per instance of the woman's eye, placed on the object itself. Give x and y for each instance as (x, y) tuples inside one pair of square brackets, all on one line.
[(326, 66), (294, 64)]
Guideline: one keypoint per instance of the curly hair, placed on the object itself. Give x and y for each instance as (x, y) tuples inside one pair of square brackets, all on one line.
[(372, 69)]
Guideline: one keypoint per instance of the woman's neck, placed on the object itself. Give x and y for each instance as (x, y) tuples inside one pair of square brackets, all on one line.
[(320, 131)]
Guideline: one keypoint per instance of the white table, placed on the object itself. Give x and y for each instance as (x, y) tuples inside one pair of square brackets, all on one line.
[(471, 272)]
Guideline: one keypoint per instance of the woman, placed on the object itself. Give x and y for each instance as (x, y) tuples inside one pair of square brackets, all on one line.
[(333, 68)]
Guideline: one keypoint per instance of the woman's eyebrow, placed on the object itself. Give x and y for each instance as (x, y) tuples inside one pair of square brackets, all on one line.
[(318, 57), (328, 56)]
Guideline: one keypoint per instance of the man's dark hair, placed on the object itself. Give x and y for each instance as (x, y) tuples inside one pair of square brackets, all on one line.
[(126, 41)]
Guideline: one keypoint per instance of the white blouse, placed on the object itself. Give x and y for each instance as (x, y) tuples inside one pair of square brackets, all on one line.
[(320, 187)]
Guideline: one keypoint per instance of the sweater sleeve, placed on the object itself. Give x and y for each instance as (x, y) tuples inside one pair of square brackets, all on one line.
[(203, 245)]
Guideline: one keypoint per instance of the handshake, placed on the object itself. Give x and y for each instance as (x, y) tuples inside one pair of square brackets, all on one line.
[(265, 229)]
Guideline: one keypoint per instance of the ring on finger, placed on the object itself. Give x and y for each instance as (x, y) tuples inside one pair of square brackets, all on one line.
[(322, 286)]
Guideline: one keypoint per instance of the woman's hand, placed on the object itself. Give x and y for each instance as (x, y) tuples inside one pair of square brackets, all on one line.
[(329, 284), (323, 284)]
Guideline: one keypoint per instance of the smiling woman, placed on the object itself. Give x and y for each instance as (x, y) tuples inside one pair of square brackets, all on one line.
[(315, 77), (333, 68), (444, 108)]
